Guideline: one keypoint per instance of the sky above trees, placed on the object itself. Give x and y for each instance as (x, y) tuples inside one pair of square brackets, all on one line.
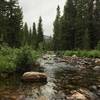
[(32, 9)]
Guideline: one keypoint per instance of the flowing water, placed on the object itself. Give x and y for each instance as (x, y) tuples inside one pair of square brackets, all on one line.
[(62, 79)]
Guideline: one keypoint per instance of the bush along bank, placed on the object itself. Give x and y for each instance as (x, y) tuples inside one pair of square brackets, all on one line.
[(17, 60)]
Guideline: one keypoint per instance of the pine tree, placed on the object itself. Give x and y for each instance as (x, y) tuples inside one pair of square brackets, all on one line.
[(34, 37), (30, 37), (68, 25), (82, 39), (57, 31), (14, 24), (40, 31), (25, 34), (79, 26), (96, 22), (3, 20), (91, 24), (86, 40)]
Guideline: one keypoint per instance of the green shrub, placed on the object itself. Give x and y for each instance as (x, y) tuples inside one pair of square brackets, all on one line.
[(14, 59), (35, 54), (24, 60), (7, 64)]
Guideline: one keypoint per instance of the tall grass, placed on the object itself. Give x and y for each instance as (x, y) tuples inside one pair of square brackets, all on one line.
[(84, 53)]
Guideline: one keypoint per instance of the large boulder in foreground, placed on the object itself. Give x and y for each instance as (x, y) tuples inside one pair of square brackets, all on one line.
[(34, 77)]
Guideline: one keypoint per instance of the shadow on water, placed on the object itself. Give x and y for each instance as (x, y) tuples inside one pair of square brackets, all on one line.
[(61, 81)]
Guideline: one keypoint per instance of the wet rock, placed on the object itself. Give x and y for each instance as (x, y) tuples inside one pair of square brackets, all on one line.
[(21, 97), (42, 98), (37, 64), (98, 92), (96, 68), (98, 86), (74, 56), (13, 98), (93, 88), (97, 62), (77, 96), (88, 94), (74, 68), (45, 58), (82, 94), (34, 77)]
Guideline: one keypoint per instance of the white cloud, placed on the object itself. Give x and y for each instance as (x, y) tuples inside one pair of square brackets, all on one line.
[(32, 9)]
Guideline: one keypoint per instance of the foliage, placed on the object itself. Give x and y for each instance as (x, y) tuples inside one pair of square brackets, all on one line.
[(13, 59), (24, 60), (92, 53), (7, 59)]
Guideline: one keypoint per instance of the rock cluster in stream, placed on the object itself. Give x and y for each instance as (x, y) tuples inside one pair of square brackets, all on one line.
[(82, 68), (84, 63)]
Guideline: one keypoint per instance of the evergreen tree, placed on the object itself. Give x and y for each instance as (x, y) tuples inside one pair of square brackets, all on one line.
[(40, 31), (86, 40), (57, 31), (34, 37), (79, 25), (3, 20), (25, 34), (68, 25), (14, 24), (96, 22), (91, 23), (30, 37)]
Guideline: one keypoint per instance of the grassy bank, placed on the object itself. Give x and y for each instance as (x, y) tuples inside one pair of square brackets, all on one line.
[(12, 59), (92, 53)]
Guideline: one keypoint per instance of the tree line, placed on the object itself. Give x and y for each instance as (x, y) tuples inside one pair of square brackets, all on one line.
[(78, 27), (34, 36), (12, 30)]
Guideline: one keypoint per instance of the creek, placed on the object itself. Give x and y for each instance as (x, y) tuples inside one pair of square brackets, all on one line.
[(62, 79)]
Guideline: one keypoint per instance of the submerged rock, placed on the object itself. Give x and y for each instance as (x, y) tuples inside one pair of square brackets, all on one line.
[(34, 77)]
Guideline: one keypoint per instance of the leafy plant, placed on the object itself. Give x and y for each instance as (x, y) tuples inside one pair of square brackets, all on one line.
[(24, 60)]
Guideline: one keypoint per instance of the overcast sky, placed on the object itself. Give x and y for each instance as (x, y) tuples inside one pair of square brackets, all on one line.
[(32, 9)]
